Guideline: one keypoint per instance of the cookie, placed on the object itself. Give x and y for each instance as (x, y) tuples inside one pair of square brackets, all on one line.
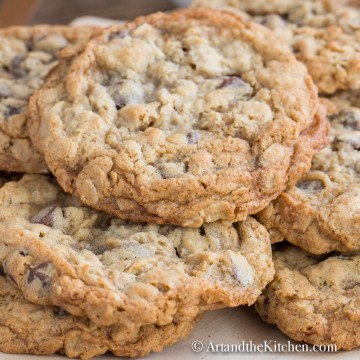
[(183, 118), (26, 328), (323, 34), (321, 212), (58, 252), (27, 54), (314, 299), (315, 13)]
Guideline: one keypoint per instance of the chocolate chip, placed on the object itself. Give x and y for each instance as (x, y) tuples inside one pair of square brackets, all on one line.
[(126, 93), (202, 231), (98, 249), (29, 46), (45, 216), (11, 111), (193, 137), (355, 143), (58, 312), (35, 273), (285, 17), (232, 81), (119, 35), (103, 222), (15, 67), (348, 118), (337, 144), (2, 271), (311, 185), (351, 285)]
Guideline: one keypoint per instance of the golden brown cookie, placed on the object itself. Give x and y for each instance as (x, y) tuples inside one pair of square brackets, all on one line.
[(27, 54), (59, 252), (324, 34), (26, 328), (321, 212), (314, 299), (183, 118)]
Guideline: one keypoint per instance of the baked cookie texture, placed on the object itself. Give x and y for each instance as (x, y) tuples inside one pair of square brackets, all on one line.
[(314, 299), (59, 252), (27, 54), (324, 34), (321, 212), (26, 328), (183, 118)]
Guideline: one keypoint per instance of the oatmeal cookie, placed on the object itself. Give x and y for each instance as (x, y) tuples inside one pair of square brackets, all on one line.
[(59, 252), (314, 298), (324, 34), (27, 54), (183, 118), (26, 328), (321, 212)]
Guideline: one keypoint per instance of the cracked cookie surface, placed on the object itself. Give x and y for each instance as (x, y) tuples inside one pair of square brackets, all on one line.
[(321, 212), (27, 54), (314, 299), (182, 118), (324, 34), (59, 252), (26, 328)]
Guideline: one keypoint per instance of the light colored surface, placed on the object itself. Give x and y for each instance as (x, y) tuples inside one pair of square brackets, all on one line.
[(94, 21), (230, 326)]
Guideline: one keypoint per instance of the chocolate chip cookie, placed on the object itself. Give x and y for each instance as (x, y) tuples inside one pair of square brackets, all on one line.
[(314, 299), (321, 212), (26, 328), (59, 252), (324, 34), (27, 54), (183, 118)]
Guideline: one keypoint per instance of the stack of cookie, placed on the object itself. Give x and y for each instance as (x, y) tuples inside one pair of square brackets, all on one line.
[(142, 152), (315, 296)]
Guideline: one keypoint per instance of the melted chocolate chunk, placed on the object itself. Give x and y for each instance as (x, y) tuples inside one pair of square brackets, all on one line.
[(193, 137), (11, 111), (348, 118), (119, 35), (232, 81), (58, 312), (15, 67), (36, 273), (45, 217), (355, 144), (311, 185), (285, 17), (103, 222), (337, 144), (351, 285), (2, 271)]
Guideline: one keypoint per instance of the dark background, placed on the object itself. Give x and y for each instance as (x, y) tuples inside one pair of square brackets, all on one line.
[(21, 12)]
